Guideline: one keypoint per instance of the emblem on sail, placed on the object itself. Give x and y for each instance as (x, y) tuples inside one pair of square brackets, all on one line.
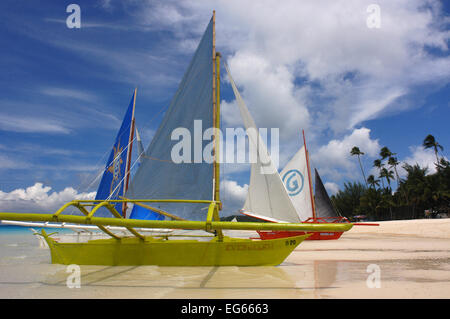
[(295, 177), (115, 169), (294, 182)]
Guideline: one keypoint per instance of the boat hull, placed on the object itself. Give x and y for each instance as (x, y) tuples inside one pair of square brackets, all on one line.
[(268, 235), (151, 251)]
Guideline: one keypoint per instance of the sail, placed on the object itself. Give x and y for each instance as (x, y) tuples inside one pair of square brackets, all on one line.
[(112, 184), (267, 197), (324, 206), (140, 147), (159, 176), (295, 177), (139, 212)]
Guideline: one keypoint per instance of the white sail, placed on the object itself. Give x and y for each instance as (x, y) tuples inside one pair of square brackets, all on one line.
[(295, 177), (139, 145), (159, 175), (267, 197)]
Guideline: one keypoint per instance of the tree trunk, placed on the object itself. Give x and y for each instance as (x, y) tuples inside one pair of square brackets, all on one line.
[(362, 170)]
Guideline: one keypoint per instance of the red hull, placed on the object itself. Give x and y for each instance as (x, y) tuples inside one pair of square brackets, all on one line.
[(315, 235)]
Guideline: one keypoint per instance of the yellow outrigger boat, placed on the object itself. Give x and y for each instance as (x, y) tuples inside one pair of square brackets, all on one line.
[(220, 250), (198, 91)]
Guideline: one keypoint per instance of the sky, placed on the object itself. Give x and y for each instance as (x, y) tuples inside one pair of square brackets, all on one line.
[(320, 66)]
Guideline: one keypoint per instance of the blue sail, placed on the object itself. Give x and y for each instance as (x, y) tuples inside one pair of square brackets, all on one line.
[(112, 184), (140, 212)]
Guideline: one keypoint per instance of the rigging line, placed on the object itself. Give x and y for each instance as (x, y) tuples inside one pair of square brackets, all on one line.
[(157, 159), (101, 171), (121, 181), (112, 162), (107, 152)]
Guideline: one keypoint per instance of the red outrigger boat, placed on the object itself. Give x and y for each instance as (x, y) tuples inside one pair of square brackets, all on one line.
[(322, 211), (315, 235)]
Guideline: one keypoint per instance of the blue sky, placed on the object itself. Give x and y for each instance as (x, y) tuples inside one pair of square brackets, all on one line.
[(312, 65)]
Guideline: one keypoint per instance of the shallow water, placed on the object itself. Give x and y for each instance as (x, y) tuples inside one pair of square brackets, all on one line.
[(409, 267)]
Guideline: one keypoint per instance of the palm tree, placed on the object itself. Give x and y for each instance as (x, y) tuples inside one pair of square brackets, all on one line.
[(387, 174), (372, 181), (385, 153), (392, 161), (377, 163), (356, 151), (430, 142)]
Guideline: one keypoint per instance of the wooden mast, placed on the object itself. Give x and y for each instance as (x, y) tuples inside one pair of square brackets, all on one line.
[(130, 147), (309, 177), (216, 114)]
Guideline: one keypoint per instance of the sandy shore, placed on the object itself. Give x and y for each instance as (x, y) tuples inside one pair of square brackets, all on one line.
[(398, 259)]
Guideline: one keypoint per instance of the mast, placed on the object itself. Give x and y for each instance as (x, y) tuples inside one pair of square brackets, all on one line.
[(309, 177), (216, 114), (217, 133), (130, 147)]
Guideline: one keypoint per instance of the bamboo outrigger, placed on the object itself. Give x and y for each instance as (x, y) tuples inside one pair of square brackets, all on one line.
[(149, 250)]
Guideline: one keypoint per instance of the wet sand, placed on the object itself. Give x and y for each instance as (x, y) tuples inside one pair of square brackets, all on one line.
[(411, 259)]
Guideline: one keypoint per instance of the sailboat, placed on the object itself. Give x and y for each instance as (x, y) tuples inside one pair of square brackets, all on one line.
[(187, 191), (318, 209), (113, 185), (296, 178)]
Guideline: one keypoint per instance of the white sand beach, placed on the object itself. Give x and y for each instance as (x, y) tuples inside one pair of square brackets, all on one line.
[(410, 258)]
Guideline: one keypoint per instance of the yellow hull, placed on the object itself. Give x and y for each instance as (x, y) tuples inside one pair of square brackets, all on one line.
[(151, 251)]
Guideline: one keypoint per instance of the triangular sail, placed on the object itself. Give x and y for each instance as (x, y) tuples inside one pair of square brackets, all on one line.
[(295, 177), (324, 206), (159, 176), (112, 184), (140, 147), (267, 197)]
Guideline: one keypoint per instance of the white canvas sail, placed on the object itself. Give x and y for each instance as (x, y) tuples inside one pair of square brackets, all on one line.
[(139, 145), (295, 177), (267, 197), (159, 176)]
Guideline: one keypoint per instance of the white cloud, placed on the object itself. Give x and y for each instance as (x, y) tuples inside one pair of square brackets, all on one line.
[(316, 63), (31, 125), (9, 163), (334, 159), (68, 93), (233, 196), (332, 188), (39, 199), (269, 93), (423, 157)]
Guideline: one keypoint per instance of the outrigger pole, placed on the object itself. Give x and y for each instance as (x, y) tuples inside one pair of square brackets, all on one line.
[(309, 177), (130, 147), (176, 224)]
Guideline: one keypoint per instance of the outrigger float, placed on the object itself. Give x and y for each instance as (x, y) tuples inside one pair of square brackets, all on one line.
[(165, 184)]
